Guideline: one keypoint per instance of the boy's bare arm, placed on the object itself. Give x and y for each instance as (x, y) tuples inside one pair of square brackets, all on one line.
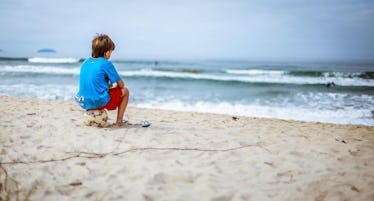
[(121, 84)]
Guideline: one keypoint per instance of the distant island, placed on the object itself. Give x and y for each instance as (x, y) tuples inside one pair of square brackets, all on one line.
[(46, 50)]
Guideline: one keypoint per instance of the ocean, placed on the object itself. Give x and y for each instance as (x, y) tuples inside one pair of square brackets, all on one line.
[(282, 90)]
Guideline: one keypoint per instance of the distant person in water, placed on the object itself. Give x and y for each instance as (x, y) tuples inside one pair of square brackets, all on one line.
[(330, 84), (100, 86)]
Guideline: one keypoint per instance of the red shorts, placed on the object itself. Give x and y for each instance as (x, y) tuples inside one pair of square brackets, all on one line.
[(115, 99)]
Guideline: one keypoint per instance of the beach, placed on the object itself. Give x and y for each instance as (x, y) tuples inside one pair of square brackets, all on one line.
[(47, 153)]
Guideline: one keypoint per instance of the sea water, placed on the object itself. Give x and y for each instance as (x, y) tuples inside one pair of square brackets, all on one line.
[(283, 90)]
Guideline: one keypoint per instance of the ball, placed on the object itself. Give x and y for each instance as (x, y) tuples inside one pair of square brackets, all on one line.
[(96, 118)]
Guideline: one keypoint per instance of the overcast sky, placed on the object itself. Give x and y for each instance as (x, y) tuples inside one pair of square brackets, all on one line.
[(156, 29)]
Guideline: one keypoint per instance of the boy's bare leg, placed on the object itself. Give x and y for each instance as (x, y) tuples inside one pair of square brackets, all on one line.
[(122, 107)]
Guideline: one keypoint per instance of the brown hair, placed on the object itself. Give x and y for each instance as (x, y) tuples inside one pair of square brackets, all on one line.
[(101, 44)]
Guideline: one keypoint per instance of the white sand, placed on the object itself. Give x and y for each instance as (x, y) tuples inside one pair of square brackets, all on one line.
[(45, 147)]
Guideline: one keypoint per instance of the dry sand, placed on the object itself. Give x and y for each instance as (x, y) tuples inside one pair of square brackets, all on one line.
[(47, 151)]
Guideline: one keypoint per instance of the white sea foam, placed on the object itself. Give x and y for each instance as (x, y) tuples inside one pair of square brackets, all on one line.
[(40, 69), (45, 91), (52, 60), (257, 77), (254, 72), (340, 113), (342, 116)]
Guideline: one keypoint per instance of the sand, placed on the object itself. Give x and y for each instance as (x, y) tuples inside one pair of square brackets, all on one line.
[(47, 153)]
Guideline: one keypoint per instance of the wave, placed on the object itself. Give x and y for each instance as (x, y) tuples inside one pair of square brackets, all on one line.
[(258, 77), (342, 116), (43, 91), (181, 70), (53, 60), (272, 77), (363, 75), (40, 69), (254, 72), (13, 59)]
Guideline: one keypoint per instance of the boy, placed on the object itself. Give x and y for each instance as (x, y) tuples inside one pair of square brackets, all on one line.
[(97, 74)]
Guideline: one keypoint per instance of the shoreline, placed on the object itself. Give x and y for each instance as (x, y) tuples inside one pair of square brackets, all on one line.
[(181, 156), (203, 112)]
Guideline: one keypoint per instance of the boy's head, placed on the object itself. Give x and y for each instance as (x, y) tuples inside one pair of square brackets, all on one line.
[(101, 44)]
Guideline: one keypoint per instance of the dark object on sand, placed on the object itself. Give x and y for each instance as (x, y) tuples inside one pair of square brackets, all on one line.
[(77, 183)]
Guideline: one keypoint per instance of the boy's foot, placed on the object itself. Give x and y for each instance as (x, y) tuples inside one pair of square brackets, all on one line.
[(126, 124), (121, 124)]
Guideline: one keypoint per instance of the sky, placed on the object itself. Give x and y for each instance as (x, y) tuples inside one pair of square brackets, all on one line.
[(192, 29)]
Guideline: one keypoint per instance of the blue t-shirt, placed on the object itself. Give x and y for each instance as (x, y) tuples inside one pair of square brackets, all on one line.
[(94, 78)]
